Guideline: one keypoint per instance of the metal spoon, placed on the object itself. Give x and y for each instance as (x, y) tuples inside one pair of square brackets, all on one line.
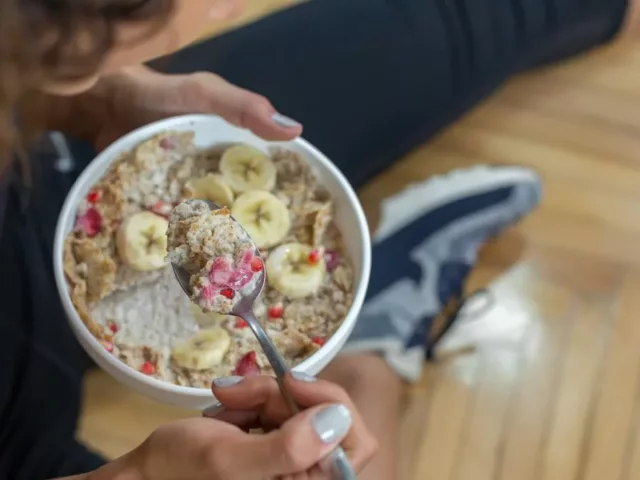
[(336, 463)]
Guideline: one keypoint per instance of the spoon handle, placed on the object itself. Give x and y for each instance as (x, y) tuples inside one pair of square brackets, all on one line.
[(278, 363), (336, 464)]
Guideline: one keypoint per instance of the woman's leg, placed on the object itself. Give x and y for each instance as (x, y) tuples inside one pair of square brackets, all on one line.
[(372, 79)]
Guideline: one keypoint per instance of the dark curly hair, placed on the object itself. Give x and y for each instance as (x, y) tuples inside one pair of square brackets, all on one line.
[(61, 40)]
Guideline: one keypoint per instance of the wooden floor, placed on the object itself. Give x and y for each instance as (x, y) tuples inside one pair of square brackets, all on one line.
[(545, 386)]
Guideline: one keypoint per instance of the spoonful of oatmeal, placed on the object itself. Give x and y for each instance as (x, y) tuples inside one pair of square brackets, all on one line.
[(219, 267)]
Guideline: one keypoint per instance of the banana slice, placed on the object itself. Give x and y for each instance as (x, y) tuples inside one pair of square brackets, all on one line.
[(142, 241), (210, 187), (246, 168), (295, 270), (264, 216), (204, 350)]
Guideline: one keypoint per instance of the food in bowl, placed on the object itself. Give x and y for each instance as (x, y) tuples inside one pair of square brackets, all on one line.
[(115, 259), (216, 252)]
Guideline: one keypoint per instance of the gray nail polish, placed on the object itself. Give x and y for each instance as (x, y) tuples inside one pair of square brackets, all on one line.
[(284, 121), (332, 423), (303, 377), (213, 410), (223, 382)]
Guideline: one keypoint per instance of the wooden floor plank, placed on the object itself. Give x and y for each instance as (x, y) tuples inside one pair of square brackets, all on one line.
[(612, 419), (580, 372)]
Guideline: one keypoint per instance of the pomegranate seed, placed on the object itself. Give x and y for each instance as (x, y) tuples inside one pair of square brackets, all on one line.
[(93, 197), (240, 323), (90, 222), (314, 256), (256, 264), (319, 341), (275, 311), (148, 368), (108, 346), (227, 292), (113, 327), (247, 365)]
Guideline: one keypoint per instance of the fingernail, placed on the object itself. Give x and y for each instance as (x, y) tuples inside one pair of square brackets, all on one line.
[(213, 410), (332, 423), (284, 121), (224, 382), (303, 377)]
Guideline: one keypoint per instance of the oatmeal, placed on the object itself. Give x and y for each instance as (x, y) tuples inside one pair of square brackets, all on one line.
[(123, 286), (217, 253)]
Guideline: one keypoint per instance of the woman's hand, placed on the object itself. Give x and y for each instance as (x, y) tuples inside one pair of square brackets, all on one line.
[(138, 96), (219, 447), (126, 100)]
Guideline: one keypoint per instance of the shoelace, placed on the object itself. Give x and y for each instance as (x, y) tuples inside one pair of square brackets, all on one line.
[(473, 306)]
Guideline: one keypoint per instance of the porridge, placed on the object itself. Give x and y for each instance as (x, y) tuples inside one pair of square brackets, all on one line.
[(136, 217), (216, 252)]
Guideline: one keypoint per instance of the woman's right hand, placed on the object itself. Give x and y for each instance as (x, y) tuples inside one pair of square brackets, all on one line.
[(221, 447)]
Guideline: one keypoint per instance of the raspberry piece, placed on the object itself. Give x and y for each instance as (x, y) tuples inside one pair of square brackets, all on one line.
[(108, 346), (168, 143), (319, 341), (90, 222), (148, 368), (332, 259), (247, 365), (113, 327), (256, 264), (207, 292), (161, 208), (240, 323), (246, 256), (314, 256), (227, 292), (93, 197), (220, 273), (275, 311), (239, 279)]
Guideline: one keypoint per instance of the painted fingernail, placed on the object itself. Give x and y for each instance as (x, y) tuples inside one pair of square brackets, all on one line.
[(303, 377), (213, 410), (332, 423), (224, 382), (284, 121)]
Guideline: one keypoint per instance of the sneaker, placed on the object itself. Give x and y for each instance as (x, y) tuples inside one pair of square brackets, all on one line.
[(423, 252)]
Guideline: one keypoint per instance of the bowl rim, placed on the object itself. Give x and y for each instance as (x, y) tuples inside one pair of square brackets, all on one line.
[(102, 161)]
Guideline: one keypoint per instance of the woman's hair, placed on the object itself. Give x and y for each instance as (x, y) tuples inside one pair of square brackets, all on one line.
[(44, 41)]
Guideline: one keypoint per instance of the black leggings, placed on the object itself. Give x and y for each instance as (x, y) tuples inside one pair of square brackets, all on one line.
[(372, 79)]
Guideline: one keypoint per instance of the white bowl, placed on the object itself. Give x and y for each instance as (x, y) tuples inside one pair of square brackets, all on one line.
[(211, 131)]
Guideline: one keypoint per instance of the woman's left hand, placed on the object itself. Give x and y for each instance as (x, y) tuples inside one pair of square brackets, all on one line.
[(138, 96)]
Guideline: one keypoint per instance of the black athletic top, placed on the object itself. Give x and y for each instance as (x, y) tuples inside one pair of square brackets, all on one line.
[(41, 364)]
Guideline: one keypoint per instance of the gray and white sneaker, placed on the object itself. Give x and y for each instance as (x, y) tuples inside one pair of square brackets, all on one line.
[(423, 252)]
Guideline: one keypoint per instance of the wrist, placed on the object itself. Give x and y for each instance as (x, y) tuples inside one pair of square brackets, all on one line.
[(127, 467)]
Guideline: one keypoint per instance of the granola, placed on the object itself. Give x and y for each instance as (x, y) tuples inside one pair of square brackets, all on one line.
[(125, 292)]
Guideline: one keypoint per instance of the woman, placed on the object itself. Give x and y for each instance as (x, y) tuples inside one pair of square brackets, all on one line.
[(83, 47), (370, 79)]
